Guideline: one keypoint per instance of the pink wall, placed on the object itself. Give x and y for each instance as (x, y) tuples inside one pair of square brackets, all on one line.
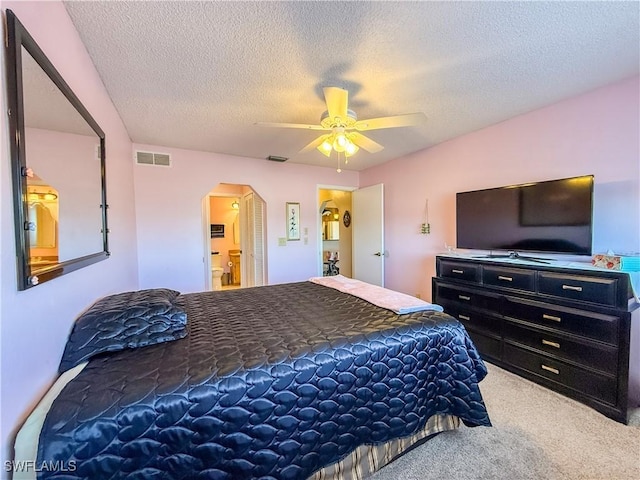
[(170, 226), (595, 133), (36, 322)]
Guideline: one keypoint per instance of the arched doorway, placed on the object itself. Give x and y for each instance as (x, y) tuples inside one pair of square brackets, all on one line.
[(235, 244)]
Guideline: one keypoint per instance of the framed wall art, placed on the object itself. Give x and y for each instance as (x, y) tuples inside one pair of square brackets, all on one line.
[(217, 230), (293, 221), (346, 219)]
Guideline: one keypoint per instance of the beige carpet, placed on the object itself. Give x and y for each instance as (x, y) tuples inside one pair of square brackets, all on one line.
[(536, 434)]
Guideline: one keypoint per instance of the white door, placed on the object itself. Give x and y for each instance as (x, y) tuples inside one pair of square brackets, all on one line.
[(368, 234)]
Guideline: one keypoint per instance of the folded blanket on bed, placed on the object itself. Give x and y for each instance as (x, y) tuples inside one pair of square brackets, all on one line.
[(397, 302)]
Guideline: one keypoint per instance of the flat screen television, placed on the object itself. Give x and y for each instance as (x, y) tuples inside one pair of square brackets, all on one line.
[(552, 217)]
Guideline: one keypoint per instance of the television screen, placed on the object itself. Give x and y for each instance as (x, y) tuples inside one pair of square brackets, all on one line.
[(553, 216)]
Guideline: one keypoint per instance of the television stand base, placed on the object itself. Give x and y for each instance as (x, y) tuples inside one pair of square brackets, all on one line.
[(517, 256)]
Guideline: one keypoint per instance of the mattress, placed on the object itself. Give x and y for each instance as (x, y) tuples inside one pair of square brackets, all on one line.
[(270, 382)]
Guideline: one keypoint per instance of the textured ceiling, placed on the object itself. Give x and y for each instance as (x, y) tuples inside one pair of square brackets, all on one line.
[(199, 75)]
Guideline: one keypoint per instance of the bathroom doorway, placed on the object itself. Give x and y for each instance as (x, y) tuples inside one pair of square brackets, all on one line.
[(234, 217), (335, 252)]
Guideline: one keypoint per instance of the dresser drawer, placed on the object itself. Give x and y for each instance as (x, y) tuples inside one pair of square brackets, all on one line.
[(460, 271), (596, 326), (517, 278), (579, 287), (602, 387), (473, 320), (600, 357), (467, 297), (488, 347)]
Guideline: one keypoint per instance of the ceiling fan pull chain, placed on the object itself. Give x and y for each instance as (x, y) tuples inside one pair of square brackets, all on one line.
[(338, 157)]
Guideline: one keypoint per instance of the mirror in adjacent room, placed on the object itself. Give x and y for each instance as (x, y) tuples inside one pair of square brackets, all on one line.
[(330, 224), (58, 155)]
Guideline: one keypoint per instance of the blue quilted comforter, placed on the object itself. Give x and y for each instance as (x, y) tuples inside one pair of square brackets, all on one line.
[(270, 382)]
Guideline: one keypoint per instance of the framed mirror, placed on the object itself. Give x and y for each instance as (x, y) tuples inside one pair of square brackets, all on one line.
[(330, 224), (58, 167)]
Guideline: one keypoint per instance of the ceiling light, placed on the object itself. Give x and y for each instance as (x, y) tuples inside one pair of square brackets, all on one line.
[(350, 148), (339, 143), (325, 147)]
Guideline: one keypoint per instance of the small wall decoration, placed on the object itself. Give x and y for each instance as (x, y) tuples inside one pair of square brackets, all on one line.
[(346, 218), (293, 221), (217, 230)]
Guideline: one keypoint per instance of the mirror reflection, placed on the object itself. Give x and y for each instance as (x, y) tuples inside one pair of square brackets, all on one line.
[(57, 152), (43, 225), (62, 156), (330, 224)]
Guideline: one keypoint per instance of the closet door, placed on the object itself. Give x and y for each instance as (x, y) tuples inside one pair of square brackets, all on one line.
[(252, 240)]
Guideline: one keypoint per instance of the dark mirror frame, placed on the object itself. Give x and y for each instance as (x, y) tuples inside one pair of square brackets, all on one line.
[(18, 37)]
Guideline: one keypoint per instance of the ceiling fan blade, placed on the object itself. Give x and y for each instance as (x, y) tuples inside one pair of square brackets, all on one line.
[(315, 143), (337, 100), (365, 142), (406, 120), (291, 125)]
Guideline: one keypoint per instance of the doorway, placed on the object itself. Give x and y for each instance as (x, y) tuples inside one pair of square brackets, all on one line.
[(335, 251), (359, 243), (233, 218)]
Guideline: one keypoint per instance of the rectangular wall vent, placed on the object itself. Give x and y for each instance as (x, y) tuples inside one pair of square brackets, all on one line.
[(275, 158), (150, 158)]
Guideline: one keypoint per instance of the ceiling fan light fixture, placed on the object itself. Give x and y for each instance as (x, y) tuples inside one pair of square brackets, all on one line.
[(350, 148), (325, 147), (339, 140), (340, 122), (328, 122)]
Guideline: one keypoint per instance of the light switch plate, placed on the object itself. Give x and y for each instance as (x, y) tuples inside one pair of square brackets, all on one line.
[(282, 242)]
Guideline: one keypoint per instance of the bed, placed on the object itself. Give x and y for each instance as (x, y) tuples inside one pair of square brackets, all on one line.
[(290, 381)]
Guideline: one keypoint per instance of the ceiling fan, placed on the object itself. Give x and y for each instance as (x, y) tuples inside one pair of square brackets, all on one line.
[(344, 127)]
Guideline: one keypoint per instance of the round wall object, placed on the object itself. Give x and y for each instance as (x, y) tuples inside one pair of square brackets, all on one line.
[(346, 218)]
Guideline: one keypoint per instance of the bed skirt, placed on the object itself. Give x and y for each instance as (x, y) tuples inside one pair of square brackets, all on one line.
[(365, 460)]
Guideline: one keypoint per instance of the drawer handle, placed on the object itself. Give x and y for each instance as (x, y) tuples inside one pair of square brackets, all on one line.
[(506, 279), (550, 369), (571, 287), (464, 297), (457, 271), (464, 317), (550, 343), (551, 317)]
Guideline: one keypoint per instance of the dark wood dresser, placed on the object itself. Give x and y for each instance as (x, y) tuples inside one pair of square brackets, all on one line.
[(574, 330)]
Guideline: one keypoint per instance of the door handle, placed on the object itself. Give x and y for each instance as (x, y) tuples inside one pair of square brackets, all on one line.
[(378, 254)]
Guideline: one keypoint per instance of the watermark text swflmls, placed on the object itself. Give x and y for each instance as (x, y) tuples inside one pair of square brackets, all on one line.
[(33, 466)]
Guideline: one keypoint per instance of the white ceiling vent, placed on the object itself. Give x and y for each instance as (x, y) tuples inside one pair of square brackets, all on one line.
[(150, 158)]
